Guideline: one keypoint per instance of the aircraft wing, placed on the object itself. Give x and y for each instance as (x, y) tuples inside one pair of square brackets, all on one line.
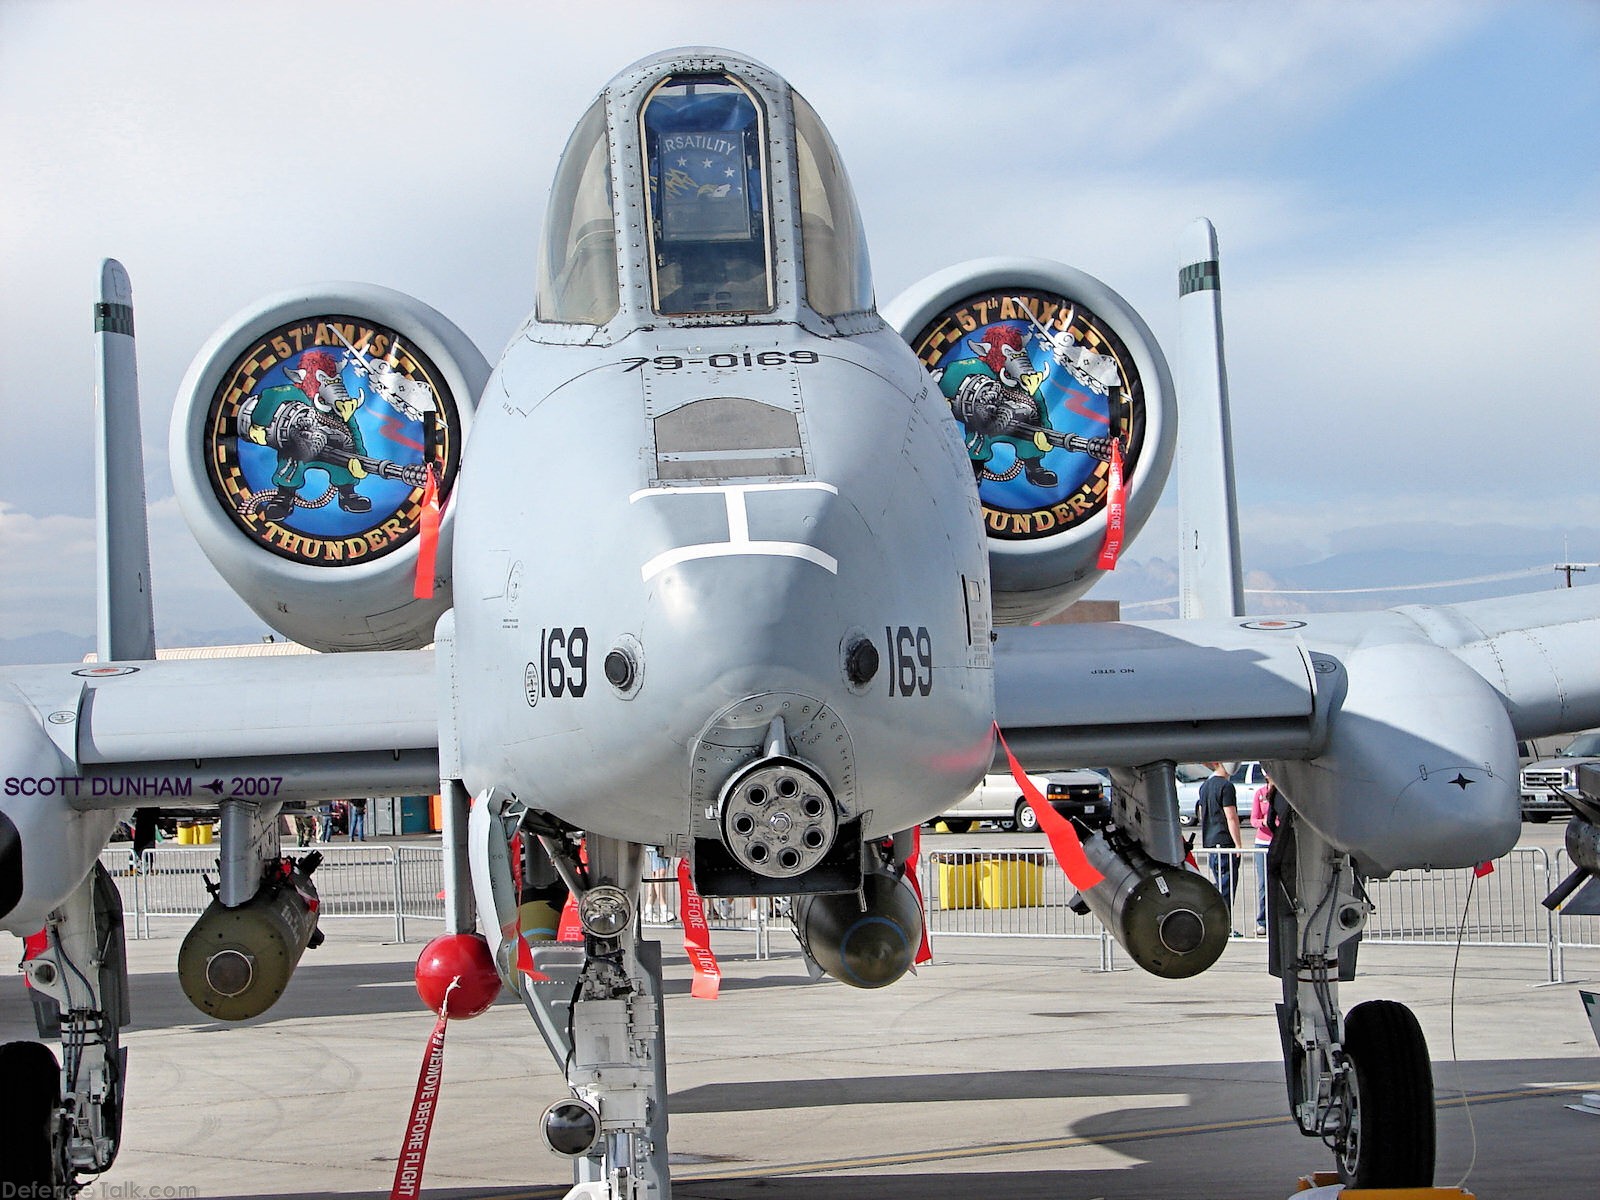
[(1369, 719), (295, 727)]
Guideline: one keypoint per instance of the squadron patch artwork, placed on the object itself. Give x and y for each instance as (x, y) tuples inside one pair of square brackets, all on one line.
[(319, 438), (1041, 387)]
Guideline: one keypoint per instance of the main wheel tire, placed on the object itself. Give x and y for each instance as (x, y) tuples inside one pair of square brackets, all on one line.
[(957, 826), (28, 1104), (1539, 818), (1027, 819), (1389, 1138)]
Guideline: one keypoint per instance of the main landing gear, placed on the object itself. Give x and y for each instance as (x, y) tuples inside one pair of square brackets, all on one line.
[(61, 1121), (1361, 1082)]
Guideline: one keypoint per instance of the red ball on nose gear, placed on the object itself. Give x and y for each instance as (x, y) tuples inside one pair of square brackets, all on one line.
[(461, 957)]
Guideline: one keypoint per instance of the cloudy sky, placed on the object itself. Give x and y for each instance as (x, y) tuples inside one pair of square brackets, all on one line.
[(1407, 197)]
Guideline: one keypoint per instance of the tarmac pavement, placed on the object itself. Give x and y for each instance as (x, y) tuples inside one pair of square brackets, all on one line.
[(1006, 1068)]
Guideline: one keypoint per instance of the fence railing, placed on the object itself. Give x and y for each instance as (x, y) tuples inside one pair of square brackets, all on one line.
[(967, 891)]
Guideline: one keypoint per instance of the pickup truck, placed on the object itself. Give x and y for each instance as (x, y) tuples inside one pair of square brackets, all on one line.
[(1540, 799), (1079, 793)]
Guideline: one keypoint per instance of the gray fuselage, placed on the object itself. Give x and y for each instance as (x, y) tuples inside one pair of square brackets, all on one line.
[(733, 527)]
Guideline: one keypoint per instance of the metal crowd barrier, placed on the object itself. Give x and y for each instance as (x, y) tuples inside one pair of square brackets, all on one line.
[(967, 891)]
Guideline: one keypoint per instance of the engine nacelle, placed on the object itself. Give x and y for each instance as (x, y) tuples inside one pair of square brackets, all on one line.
[(301, 446), (869, 948), (1172, 921), (235, 962), (1044, 366)]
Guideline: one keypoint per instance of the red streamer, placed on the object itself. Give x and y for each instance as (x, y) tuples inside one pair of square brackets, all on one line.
[(1063, 837), (1116, 510), (571, 927), (924, 951), (427, 539), (697, 937), (414, 1148)]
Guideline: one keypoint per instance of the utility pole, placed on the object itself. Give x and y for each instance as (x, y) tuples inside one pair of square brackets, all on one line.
[(1568, 568)]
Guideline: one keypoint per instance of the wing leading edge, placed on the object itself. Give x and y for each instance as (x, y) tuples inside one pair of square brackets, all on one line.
[(316, 726), (1392, 732)]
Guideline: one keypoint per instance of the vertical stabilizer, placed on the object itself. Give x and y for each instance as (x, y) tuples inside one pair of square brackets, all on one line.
[(124, 617), (1210, 581)]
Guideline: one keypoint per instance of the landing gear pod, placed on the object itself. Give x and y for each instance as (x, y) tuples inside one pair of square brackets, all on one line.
[(869, 948), (1170, 920), (301, 447), (1044, 367), (235, 962)]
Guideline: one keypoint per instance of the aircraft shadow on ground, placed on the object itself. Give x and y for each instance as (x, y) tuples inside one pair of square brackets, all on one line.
[(342, 989)]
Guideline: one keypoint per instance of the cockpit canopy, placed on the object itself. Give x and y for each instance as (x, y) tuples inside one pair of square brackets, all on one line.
[(717, 160), (705, 157)]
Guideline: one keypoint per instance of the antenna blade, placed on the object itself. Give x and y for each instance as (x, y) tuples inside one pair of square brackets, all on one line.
[(124, 614), (1210, 580)]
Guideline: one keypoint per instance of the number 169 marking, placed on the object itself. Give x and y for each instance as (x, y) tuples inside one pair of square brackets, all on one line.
[(910, 660)]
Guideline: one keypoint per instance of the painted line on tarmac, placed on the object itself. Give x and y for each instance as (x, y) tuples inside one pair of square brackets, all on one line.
[(995, 1149)]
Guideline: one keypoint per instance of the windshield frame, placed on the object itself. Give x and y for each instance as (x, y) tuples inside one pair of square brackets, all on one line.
[(583, 287), (657, 239)]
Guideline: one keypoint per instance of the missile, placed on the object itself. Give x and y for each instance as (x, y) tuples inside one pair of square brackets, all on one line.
[(235, 962), (1172, 921), (866, 946)]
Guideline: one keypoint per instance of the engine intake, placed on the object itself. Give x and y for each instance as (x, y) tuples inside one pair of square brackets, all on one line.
[(1044, 367), (302, 446)]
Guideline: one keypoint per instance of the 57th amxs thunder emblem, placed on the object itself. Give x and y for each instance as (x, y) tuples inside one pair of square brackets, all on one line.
[(319, 438), (1042, 387)]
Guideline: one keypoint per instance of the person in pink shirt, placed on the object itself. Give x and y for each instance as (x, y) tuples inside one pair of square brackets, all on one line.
[(1261, 821)]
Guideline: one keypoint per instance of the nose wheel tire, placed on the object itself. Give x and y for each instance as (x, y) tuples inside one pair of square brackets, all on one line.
[(28, 1105), (1389, 1137)]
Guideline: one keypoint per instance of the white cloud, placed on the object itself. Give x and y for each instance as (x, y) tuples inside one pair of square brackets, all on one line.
[(49, 580), (227, 151)]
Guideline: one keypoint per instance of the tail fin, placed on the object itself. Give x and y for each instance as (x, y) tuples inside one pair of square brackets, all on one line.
[(125, 619), (1210, 581)]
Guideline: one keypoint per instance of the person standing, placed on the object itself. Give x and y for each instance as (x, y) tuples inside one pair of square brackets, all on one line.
[(1261, 820), (325, 817), (1219, 827), (358, 819)]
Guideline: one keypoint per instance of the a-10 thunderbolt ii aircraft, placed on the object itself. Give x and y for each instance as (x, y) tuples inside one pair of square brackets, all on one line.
[(732, 565)]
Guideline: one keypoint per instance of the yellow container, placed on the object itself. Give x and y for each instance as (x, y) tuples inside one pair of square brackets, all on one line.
[(203, 835), (185, 833), (1010, 883), (958, 885)]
